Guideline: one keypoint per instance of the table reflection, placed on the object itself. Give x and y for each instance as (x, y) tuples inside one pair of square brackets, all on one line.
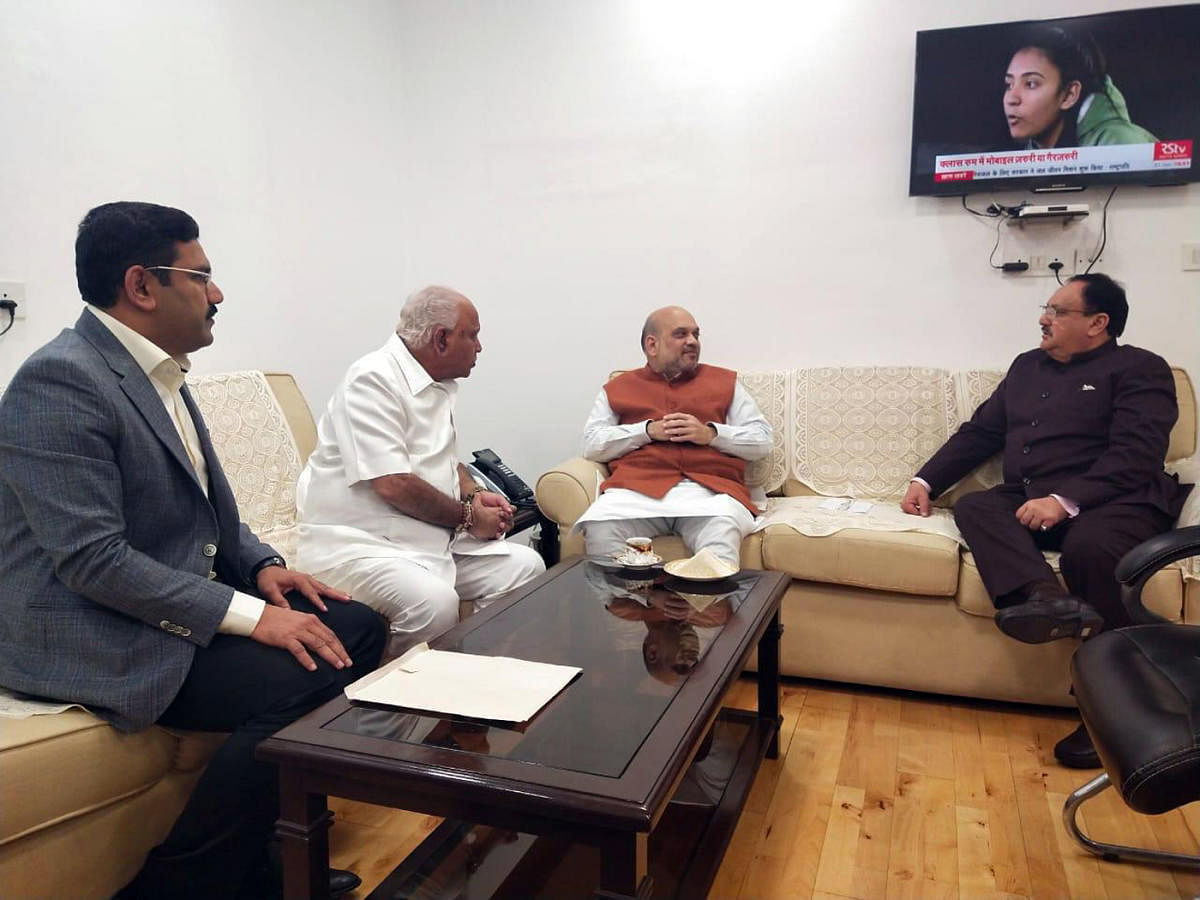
[(453, 734), (679, 624)]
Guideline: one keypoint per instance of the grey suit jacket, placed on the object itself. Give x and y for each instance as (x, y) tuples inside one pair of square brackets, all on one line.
[(114, 566)]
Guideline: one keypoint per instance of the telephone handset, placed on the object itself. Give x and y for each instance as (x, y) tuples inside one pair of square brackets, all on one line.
[(500, 478)]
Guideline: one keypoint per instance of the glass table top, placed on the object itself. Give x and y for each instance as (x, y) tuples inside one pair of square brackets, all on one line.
[(636, 635)]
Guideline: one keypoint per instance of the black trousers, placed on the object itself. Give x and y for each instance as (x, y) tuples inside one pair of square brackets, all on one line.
[(1009, 555), (252, 690)]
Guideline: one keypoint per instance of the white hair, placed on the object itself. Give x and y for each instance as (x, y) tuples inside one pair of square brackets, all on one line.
[(425, 310)]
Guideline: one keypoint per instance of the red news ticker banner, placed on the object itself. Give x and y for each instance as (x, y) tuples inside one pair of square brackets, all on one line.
[(1066, 161)]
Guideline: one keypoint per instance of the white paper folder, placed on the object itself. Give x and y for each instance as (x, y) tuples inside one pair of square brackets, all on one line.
[(463, 684)]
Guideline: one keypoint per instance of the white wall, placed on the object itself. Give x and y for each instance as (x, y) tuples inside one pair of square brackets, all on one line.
[(569, 165)]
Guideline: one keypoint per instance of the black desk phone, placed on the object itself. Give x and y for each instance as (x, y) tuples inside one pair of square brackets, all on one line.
[(498, 477)]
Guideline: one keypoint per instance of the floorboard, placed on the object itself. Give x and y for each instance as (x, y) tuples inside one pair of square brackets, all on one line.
[(887, 794)]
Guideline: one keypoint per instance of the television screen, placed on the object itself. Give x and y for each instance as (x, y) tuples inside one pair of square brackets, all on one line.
[(1058, 103)]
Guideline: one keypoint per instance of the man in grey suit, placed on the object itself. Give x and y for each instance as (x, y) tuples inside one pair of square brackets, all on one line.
[(129, 582)]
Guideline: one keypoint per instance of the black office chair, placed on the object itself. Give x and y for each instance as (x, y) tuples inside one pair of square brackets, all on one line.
[(1138, 690)]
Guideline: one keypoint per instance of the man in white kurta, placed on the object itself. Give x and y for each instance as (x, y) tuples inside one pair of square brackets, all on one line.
[(702, 516), (387, 512)]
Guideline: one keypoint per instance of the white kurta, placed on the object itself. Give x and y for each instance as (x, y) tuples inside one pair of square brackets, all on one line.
[(745, 434), (388, 417)]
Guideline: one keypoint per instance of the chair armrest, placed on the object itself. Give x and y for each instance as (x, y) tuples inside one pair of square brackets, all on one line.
[(1136, 567), (564, 492)]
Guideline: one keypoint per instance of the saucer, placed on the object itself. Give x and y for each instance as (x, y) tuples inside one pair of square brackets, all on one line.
[(637, 560)]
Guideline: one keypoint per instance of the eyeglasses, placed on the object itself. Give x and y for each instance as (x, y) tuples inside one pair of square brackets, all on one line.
[(1052, 312), (205, 278)]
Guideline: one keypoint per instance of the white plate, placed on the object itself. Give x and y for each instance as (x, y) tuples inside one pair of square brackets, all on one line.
[(672, 567)]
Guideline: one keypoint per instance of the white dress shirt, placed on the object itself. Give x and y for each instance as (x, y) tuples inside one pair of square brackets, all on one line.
[(745, 433), (166, 374), (388, 417)]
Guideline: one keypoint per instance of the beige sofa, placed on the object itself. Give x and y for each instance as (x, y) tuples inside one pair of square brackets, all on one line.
[(80, 802), (868, 603)]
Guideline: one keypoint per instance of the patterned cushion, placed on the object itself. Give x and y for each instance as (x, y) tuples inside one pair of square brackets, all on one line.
[(256, 449), (862, 432), (973, 386), (769, 390)]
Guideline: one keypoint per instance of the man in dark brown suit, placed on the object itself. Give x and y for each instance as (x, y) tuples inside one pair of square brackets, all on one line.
[(1083, 424)]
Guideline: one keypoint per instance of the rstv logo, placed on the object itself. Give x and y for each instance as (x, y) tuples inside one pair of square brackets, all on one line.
[(1173, 150)]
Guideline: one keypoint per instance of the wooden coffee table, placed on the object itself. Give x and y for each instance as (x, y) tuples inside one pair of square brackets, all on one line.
[(637, 738)]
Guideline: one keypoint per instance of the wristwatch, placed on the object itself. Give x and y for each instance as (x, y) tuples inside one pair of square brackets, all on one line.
[(269, 561)]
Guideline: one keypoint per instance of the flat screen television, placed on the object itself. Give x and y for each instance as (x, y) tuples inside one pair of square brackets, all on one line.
[(1058, 104)]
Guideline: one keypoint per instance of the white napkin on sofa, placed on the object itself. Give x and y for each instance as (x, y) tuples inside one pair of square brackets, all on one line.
[(21, 706), (813, 517)]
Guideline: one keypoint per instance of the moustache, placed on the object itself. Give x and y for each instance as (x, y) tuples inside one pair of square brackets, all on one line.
[(212, 310)]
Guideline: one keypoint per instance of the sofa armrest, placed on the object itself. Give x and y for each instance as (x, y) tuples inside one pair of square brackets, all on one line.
[(295, 410), (564, 492)]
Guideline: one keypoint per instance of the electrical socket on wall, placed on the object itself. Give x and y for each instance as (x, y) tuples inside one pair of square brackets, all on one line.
[(1041, 244), (1084, 258), (1039, 263), (15, 291), (1040, 256)]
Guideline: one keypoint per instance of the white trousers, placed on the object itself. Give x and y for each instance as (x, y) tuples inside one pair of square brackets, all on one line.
[(419, 605), (721, 534)]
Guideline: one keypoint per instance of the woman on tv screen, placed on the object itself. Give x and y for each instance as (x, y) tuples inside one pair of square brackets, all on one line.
[(1057, 93)]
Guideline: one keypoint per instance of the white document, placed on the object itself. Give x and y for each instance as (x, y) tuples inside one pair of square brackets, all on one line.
[(861, 507), (463, 684)]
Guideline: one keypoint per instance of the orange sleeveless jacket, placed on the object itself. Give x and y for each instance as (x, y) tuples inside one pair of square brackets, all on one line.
[(657, 467)]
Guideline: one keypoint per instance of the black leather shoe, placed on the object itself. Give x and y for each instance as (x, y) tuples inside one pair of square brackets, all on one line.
[(1075, 751), (1038, 620), (267, 884), (342, 881)]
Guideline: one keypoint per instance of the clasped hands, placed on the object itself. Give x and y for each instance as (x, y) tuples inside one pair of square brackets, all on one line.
[(667, 606), (492, 516), (680, 427), (1041, 514)]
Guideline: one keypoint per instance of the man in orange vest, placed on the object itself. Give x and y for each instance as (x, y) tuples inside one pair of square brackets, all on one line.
[(676, 435)]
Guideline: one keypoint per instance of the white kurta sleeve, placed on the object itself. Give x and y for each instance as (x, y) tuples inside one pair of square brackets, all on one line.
[(746, 433), (371, 428), (604, 439)]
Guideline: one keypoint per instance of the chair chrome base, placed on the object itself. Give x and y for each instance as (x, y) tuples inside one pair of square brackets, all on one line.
[(1115, 852)]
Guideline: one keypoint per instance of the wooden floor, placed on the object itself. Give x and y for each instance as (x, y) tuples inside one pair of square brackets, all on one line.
[(882, 794)]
